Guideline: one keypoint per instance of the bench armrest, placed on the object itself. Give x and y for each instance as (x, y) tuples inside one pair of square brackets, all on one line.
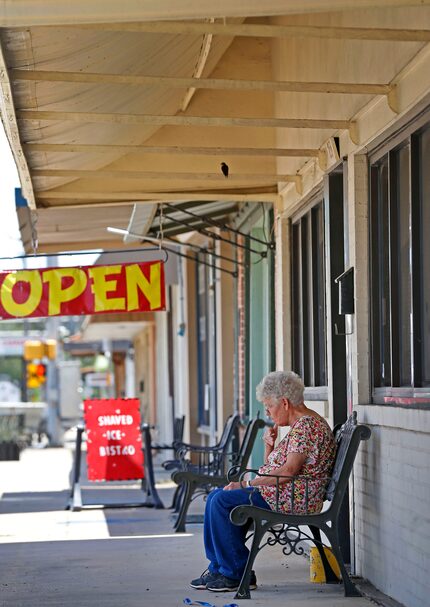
[(282, 480), (184, 449), (191, 447), (205, 461)]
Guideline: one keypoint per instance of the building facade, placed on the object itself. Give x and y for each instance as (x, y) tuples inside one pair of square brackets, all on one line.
[(322, 113)]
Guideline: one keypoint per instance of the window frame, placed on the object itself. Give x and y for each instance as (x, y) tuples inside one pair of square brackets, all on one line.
[(207, 348), (397, 395), (305, 282)]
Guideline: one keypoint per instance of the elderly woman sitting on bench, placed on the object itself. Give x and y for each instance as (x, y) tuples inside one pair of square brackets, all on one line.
[(308, 449)]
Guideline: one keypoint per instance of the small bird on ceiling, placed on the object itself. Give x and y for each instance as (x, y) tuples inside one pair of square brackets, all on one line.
[(224, 169)]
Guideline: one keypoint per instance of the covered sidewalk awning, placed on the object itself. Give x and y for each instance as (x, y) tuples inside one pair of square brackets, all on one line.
[(106, 108)]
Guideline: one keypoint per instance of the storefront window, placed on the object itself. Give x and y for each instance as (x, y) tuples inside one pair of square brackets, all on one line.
[(400, 272), (402, 216), (424, 225), (308, 297), (206, 345)]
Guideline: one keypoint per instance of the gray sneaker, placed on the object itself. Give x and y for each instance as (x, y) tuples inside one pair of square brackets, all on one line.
[(226, 584), (201, 582)]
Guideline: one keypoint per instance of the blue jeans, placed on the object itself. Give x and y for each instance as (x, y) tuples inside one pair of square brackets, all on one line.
[(224, 542)]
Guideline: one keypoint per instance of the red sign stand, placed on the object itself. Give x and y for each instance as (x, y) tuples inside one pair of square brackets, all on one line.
[(114, 440), (118, 449)]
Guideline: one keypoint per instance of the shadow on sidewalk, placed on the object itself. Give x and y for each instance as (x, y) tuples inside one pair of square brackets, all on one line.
[(44, 501)]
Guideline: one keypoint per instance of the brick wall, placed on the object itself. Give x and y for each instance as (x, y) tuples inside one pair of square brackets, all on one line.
[(392, 502)]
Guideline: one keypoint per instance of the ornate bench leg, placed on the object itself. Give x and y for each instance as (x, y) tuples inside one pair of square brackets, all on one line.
[(243, 590), (350, 588), (176, 500), (186, 495)]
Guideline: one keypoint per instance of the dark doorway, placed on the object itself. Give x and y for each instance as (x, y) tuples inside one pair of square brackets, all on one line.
[(335, 239)]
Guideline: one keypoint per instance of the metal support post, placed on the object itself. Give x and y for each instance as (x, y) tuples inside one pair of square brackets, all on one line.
[(52, 390), (75, 502), (148, 483)]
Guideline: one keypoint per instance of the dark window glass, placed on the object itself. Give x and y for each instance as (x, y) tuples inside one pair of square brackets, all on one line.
[(391, 269), (424, 227), (384, 275), (305, 303), (308, 298), (318, 268), (381, 308), (403, 212), (296, 297)]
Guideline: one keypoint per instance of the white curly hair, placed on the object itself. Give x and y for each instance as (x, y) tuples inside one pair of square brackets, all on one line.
[(281, 384)]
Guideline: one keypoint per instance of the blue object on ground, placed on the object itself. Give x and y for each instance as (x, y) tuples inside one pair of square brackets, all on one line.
[(188, 601)]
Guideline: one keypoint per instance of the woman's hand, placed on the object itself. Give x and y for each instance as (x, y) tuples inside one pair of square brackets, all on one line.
[(270, 436), (234, 485)]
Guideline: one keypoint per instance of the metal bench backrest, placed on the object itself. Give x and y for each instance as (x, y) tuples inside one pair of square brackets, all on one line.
[(241, 459), (227, 434), (178, 429), (215, 461), (348, 438)]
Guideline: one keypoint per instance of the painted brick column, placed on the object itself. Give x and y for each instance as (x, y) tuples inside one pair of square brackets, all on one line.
[(283, 293), (358, 228), (357, 344)]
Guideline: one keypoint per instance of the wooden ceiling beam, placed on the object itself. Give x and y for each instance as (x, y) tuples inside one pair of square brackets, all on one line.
[(55, 247), (182, 150), (352, 88), (267, 31), (199, 121), (199, 67), (60, 228), (121, 198), (165, 175)]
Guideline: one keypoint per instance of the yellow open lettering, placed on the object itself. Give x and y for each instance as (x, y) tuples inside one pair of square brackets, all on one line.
[(102, 287), (151, 289), (58, 295), (35, 295)]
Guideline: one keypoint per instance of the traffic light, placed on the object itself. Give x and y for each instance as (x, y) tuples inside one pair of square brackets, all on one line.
[(41, 372), (32, 377), (36, 375), (35, 349), (50, 348)]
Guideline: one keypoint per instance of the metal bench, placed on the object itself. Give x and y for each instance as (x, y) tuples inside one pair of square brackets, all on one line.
[(148, 482), (287, 529), (190, 456), (187, 450), (211, 471), (178, 435)]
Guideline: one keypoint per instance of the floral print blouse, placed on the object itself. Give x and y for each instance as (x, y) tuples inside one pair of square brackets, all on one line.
[(312, 436)]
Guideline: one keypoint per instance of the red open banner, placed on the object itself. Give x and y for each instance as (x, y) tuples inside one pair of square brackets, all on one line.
[(114, 439), (131, 287)]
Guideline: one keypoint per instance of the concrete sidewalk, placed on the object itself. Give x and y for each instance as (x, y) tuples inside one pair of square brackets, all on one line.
[(125, 557)]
